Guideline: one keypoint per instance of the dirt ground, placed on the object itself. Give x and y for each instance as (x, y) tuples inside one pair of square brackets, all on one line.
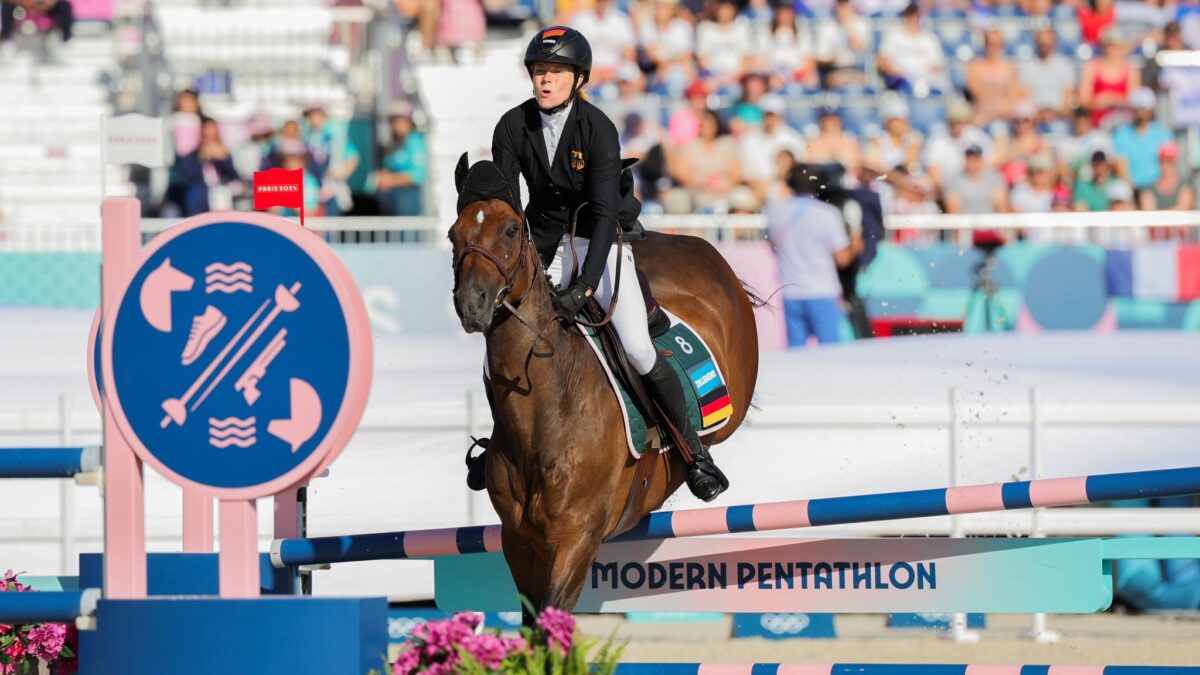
[(1104, 639)]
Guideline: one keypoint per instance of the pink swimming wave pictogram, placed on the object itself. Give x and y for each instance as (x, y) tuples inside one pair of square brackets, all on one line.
[(223, 433), (222, 278)]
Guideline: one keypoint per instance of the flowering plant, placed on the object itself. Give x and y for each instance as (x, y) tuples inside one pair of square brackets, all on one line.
[(551, 647), (24, 646)]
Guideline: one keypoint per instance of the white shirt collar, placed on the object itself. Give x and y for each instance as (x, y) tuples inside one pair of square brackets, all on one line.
[(555, 119)]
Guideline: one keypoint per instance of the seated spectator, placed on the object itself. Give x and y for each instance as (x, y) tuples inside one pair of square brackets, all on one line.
[(1035, 194), (786, 53), (992, 81), (1075, 150), (1171, 191), (753, 148), (899, 144), (312, 188), (1013, 152), (943, 154), (684, 124), (811, 242), (780, 136), (204, 179), (334, 157), (405, 168), (708, 167), (60, 13), (777, 188), (977, 189), (1092, 187), (1120, 195), (291, 142), (834, 145), (632, 98), (1172, 40), (723, 45), (185, 123), (1106, 81), (840, 43), (668, 43), (754, 85), (911, 58), (1095, 17), (609, 31), (461, 23), (1050, 78), (1138, 142), (255, 154)]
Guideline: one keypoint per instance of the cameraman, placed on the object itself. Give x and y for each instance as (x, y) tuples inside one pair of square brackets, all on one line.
[(811, 242)]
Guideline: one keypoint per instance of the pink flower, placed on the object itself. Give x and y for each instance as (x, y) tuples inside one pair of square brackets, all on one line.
[(559, 628), (487, 649), (16, 650), (471, 619), (407, 662), (514, 645), (47, 640)]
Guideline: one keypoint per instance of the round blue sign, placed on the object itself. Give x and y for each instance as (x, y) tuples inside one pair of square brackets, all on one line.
[(231, 354)]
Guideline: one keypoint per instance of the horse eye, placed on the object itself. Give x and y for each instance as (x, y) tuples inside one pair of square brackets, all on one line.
[(511, 231)]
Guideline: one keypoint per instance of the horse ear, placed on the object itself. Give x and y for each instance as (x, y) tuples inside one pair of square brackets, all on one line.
[(460, 172)]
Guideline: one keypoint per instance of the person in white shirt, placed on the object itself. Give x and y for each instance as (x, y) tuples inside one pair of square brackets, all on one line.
[(779, 135), (1050, 78), (610, 32), (785, 51), (911, 58), (722, 46), (840, 43), (943, 155), (669, 42)]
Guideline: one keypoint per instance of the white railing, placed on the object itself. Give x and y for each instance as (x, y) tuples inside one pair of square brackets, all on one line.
[(83, 234)]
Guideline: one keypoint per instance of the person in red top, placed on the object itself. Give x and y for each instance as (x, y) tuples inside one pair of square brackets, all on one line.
[(1105, 81), (1094, 17)]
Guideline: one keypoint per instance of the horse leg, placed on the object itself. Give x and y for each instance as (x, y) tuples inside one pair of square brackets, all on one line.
[(527, 565)]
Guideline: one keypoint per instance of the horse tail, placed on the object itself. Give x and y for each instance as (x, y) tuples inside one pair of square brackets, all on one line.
[(757, 300)]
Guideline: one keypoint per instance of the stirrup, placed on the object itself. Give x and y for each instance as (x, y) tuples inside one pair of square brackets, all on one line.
[(481, 442)]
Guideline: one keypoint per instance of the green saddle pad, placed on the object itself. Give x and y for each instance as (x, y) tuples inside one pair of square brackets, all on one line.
[(703, 384)]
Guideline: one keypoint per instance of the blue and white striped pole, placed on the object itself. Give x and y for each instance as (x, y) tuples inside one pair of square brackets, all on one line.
[(48, 462), (1077, 490)]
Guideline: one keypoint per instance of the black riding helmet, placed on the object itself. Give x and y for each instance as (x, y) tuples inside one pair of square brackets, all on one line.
[(560, 44)]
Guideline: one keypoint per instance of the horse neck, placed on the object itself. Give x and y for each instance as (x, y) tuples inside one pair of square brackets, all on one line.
[(533, 376)]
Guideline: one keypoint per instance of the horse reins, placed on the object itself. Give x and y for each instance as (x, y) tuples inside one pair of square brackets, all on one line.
[(612, 305)]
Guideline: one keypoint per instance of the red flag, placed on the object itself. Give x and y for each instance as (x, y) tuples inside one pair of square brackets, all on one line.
[(279, 187)]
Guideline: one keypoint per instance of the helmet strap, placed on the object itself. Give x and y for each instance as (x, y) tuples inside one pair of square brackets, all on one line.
[(570, 97)]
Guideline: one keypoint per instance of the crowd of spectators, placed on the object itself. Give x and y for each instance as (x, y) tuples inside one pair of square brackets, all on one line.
[(987, 107), (210, 173)]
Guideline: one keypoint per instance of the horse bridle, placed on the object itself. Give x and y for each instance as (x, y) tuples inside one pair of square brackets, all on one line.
[(509, 275)]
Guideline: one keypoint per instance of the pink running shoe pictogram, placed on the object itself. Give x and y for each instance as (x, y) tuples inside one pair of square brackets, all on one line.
[(204, 328)]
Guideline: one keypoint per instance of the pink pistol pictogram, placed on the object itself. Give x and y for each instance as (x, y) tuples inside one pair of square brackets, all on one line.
[(176, 408), (248, 382)]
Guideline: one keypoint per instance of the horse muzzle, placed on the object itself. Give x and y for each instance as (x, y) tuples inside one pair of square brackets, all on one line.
[(476, 307)]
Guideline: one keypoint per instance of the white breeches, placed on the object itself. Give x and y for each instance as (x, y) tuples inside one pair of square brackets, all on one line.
[(630, 318)]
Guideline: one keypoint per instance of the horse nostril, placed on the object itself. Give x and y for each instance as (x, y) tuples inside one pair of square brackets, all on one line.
[(481, 298)]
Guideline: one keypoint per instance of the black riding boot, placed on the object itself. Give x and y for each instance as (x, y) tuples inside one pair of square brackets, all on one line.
[(475, 476), (704, 479)]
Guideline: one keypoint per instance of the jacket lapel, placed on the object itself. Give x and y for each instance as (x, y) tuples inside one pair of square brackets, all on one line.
[(533, 129)]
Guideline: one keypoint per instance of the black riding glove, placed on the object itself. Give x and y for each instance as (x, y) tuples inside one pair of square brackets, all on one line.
[(571, 299)]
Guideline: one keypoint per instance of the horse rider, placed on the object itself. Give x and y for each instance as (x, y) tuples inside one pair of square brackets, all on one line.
[(569, 153)]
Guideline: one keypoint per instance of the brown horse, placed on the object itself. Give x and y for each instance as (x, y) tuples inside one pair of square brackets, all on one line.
[(558, 469)]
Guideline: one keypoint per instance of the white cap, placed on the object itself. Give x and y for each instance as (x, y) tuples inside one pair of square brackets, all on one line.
[(1143, 98), (1119, 191), (893, 107), (772, 104)]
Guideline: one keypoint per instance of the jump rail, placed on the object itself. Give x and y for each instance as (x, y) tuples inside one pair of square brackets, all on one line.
[(889, 669), (1072, 491), (58, 606), (49, 462)]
